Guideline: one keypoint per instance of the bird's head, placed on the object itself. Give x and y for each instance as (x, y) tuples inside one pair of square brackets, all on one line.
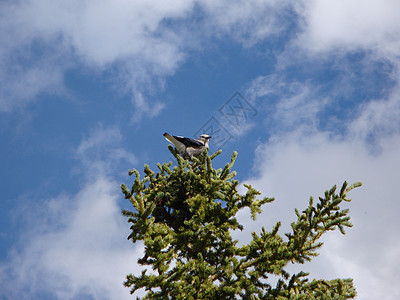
[(204, 138)]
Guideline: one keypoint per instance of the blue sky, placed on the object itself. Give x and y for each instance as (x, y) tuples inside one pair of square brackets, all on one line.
[(89, 87)]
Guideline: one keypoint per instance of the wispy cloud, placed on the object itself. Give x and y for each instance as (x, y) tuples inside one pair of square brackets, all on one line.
[(304, 159), (22, 83), (75, 245), (102, 152), (289, 103), (248, 22), (129, 36), (300, 164), (350, 25), (139, 43), (378, 119)]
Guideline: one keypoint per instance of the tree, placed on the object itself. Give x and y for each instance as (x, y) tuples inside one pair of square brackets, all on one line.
[(185, 216)]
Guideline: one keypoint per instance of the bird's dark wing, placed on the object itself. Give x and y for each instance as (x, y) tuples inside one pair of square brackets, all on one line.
[(189, 142)]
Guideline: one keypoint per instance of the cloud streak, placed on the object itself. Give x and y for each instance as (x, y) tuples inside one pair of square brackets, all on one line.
[(294, 166), (305, 153), (126, 35), (101, 152), (139, 43), (75, 245), (351, 25)]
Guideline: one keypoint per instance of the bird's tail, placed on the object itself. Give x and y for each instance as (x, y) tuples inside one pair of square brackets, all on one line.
[(172, 140), (169, 137), (180, 147)]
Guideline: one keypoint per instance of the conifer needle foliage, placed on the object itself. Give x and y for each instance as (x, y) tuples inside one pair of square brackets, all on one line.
[(185, 216)]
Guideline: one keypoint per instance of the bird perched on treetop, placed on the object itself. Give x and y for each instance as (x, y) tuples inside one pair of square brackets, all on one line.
[(188, 147)]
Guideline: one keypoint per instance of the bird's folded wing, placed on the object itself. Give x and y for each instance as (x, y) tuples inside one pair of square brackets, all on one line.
[(189, 142)]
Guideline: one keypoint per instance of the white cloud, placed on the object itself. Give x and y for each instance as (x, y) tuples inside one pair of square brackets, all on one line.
[(142, 43), (101, 151), (128, 35), (246, 21), (139, 42), (378, 119), (101, 32), (76, 245), (288, 104), (296, 166), (301, 161), (351, 25), (21, 84)]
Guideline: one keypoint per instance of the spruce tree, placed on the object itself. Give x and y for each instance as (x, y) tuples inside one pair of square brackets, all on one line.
[(185, 216)]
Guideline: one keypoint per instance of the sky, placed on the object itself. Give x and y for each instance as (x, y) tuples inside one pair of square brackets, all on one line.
[(307, 92)]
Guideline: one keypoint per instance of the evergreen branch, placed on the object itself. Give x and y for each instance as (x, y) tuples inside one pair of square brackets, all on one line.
[(315, 221)]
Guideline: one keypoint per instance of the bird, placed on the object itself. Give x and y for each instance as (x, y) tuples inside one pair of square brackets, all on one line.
[(188, 147)]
